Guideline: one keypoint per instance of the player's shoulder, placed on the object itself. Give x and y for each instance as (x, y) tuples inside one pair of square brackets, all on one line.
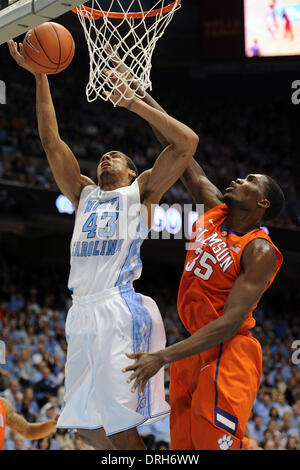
[(260, 246), (86, 185), (259, 252), (86, 181), (142, 181), (143, 178)]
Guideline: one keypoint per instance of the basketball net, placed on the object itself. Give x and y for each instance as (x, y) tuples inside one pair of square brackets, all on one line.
[(123, 40)]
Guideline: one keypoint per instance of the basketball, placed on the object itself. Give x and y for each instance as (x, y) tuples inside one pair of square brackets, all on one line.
[(49, 48)]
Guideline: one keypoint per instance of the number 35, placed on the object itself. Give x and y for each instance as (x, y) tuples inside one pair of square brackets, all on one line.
[(206, 269)]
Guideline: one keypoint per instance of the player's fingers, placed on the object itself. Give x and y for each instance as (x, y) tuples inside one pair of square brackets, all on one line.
[(133, 376), (11, 46), (21, 49), (135, 385), (128, 368), (143, 385), (116, 56), (108, 48), (107, 93), (132, 356)]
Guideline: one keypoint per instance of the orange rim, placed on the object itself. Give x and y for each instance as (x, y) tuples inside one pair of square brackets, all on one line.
[(96, 14)]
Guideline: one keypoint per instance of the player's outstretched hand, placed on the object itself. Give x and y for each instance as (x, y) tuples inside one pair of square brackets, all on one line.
[(120, 67), (146, 365), (121, 95), (19, 56), (115, 59)]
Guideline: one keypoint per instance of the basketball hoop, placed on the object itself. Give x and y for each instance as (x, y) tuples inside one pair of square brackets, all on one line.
[(123, 38)]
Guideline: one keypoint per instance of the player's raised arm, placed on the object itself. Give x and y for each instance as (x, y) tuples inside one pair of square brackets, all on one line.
[(28, 430), (201, 189), (64, 166), (174, 159)]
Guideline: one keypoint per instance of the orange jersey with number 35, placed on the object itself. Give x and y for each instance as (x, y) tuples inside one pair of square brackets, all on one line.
[(212, 265), (2, 424)]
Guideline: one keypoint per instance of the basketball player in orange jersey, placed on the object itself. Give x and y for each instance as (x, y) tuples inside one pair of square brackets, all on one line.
[(107, 316), (231, 261), (19, 424)]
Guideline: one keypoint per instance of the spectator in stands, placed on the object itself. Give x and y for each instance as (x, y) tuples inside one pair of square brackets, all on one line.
[(285, 427), (262, 407), (63, 438), (44, 444), (79, 444), (256, 428), (18, 443), (281, 405), (273, 425), (274, 415), (47, 412), (291, 443), (26, 412), (295, 417), (46, 387), (24, 368), (13, 394), (269, 445)]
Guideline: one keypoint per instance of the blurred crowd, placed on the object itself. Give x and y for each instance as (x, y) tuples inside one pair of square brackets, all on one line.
[(236, 138), (33, 309)]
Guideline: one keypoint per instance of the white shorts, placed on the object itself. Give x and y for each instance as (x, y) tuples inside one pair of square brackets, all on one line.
[(100, 328)]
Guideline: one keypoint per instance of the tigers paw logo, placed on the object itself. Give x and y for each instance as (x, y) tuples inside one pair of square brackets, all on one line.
[(225, 442)]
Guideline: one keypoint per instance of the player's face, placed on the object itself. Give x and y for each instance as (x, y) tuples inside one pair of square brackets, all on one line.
[(111, 163), (247, 192)]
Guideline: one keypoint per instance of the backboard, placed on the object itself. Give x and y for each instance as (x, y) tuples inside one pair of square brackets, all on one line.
[(18, 16)]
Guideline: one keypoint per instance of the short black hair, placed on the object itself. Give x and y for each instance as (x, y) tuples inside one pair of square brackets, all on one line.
[(131, 166), (275, 196)]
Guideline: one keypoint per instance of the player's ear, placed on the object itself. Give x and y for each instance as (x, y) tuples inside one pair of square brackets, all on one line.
[(131, 175), (264, 204)]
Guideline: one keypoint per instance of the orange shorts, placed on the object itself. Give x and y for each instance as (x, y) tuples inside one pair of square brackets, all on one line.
[(212, 394)]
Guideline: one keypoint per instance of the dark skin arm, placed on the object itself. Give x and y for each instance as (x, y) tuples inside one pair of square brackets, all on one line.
[(194, 178), (19, 424), (172, 161), (200, 188), (258, 266)]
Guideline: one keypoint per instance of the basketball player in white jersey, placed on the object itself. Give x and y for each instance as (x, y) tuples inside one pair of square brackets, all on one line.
[(108, 318)]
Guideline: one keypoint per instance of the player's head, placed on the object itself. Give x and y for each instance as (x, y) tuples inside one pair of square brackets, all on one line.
[(115, 166), (256, 193)]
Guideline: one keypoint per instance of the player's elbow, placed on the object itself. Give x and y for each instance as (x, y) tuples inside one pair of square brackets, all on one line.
[(232, 324), (188, 144), (193, 143)]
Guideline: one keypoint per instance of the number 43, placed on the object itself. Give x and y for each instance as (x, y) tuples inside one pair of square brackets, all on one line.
[(106, 226)]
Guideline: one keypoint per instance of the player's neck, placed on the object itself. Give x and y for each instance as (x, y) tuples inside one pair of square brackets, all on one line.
[(241, 221), (112, 184)]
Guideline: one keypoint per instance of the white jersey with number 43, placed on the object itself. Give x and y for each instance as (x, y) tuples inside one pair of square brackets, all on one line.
[(106, 241)]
